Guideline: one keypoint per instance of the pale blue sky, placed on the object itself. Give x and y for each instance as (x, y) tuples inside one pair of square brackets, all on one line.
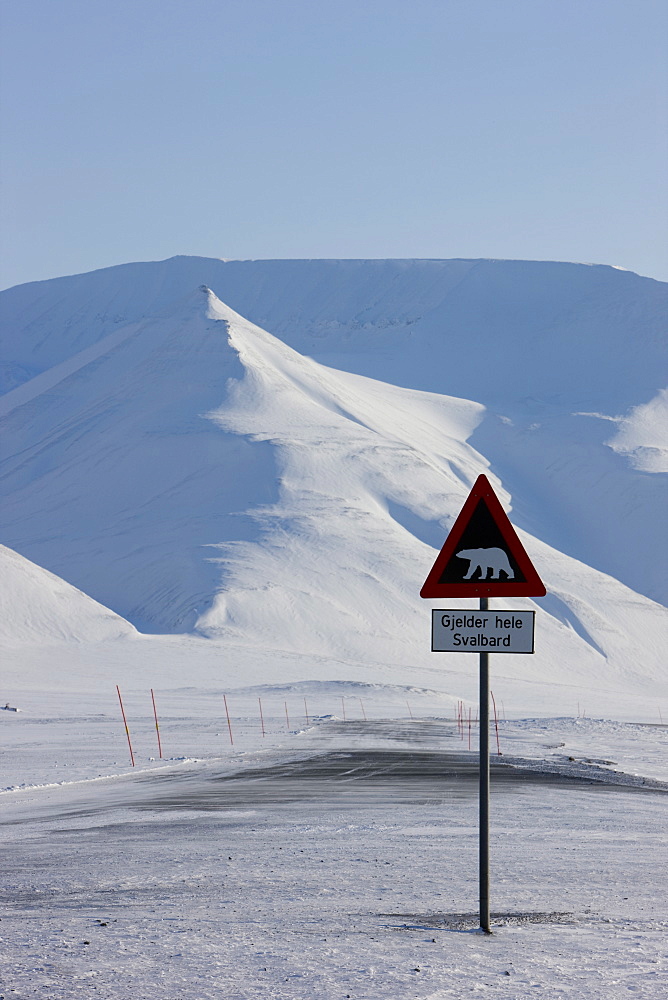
[(139, 129)]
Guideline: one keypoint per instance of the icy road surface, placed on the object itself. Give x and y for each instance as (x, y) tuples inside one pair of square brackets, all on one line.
[(342, 864)]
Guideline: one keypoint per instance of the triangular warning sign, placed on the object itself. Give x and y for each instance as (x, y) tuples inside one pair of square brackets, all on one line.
[(482, 555)]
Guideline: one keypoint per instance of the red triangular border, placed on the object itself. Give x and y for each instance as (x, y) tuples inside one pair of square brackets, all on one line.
[(531, 586)]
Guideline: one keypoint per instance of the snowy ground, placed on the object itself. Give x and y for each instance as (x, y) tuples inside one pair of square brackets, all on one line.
[(329, 859)]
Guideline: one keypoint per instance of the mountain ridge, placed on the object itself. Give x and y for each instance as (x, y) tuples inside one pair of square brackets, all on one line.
[(319, 306), (584, 464)]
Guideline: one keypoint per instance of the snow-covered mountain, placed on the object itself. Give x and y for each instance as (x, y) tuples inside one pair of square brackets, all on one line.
[(37, 606), (582, 334), (195, 473), (569, 360)]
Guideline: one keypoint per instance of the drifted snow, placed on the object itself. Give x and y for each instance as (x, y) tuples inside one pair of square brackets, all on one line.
[(643, 435)]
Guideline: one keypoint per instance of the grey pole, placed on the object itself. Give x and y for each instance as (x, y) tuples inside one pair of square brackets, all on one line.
[(484, 786)]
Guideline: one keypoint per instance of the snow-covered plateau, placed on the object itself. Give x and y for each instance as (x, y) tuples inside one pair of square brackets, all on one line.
[(224, 483)]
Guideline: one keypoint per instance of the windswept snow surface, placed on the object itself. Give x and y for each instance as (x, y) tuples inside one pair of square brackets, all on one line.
[(333, 859)]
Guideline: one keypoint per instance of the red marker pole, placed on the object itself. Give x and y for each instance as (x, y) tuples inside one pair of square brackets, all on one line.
[(496, 725), (229, 724), (157, 727), (125, 723)]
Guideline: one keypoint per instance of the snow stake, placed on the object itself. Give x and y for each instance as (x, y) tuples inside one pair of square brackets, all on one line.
[(125, 723), (229, 724), (157, 727), (306, 711), (261, 716), (287, 717), (496, 725)]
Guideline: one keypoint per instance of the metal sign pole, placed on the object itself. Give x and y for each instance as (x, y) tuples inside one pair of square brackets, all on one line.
[(483, 537), (484, 786)]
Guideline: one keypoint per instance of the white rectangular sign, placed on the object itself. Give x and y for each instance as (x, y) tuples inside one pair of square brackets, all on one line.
[(465, 631)]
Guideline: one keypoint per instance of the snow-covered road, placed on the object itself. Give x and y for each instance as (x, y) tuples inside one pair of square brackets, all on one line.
[(341, 863)]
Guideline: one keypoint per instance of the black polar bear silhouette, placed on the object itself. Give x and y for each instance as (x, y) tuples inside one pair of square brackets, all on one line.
[(484, 560)]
